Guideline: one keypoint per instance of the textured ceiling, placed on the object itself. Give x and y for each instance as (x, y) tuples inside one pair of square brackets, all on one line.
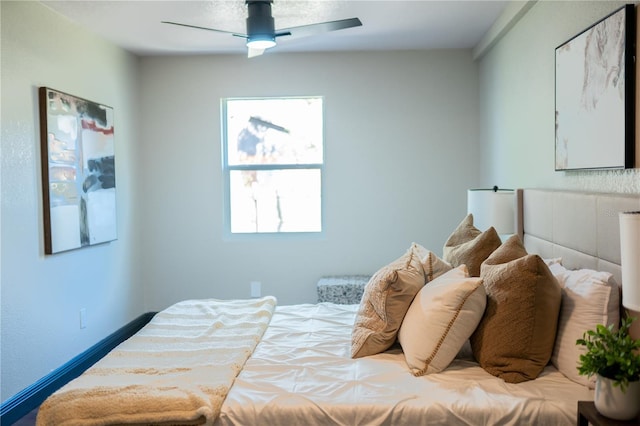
[(387, 25)]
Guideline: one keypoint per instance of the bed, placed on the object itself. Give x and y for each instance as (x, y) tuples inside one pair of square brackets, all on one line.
[(320, 363)]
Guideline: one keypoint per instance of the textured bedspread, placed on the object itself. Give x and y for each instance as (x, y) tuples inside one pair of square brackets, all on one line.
[(177, 370), (302, 374)]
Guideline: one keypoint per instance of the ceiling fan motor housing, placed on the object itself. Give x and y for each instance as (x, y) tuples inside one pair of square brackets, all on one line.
[(260, 23), (261, 32)]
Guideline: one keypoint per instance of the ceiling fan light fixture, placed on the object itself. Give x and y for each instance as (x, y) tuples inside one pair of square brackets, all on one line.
[(261, 42), (261, 33)]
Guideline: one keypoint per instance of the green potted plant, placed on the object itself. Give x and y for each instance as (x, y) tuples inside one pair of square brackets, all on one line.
[(614, 357)]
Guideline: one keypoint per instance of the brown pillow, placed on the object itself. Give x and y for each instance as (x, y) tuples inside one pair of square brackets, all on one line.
[(515, 338), (433, 266), (385, 301), (467, 245)]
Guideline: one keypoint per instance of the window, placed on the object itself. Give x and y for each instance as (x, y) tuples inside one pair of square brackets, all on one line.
[(272, 160)]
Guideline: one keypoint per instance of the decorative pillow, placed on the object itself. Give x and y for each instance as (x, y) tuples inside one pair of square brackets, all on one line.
[(433, 266), (516, 335), (589, 298), (385, 301), (553, 261), (467, 245), (440, 320)]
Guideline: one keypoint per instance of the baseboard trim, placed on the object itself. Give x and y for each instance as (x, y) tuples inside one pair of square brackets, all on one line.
[(32, 396)]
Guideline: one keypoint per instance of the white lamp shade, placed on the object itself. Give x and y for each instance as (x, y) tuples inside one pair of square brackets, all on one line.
[(492, 208), (630, 259)]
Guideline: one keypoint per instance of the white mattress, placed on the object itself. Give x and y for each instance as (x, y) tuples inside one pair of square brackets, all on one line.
[(302, 374)]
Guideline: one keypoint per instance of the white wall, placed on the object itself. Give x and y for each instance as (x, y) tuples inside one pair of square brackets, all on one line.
[(400, 141), (42, 295), (517, 121)]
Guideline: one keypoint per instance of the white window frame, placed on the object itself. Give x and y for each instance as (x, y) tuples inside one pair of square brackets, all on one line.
[(227, 169)]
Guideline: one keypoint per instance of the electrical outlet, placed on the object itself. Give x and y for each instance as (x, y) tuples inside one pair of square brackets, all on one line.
[(256, 288), (83, 318)]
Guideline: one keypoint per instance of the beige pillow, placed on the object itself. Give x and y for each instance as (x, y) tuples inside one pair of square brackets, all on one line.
[(589, 298), (467, 245), (516, 335), (440, 320), (433, 266), (385, 301)]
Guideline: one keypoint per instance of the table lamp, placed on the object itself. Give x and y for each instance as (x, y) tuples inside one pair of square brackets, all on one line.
[(493, 207), (630, 263)]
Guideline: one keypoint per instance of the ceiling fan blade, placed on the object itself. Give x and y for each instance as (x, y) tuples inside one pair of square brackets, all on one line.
[(321, 27), (205, 28), (252, 52), (261, 33)]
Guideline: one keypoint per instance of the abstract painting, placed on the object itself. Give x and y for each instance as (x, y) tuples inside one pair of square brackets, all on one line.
[(594, 96), (78, 171)]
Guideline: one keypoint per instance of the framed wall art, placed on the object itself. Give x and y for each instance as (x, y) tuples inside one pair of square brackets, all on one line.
[(595, 95), (78, 171)]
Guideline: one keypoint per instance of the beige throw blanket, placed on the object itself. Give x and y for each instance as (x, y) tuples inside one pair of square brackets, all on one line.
[(177, 369)]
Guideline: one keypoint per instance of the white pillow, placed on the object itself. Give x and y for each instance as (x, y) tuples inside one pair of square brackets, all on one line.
[(553, 260), (440, 320), (589, 298)]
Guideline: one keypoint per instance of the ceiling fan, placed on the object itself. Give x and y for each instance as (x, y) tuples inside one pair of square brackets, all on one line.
[(261, 33)]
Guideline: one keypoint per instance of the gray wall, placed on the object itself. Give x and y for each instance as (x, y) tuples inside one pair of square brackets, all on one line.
[(400, 150), (517, 96), (42, 295)]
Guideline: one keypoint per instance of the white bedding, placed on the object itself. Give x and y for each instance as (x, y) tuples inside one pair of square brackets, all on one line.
[(302, 374), (175, 370)]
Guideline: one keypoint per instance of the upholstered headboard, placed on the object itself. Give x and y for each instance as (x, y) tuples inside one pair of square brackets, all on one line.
[(580, 227)]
